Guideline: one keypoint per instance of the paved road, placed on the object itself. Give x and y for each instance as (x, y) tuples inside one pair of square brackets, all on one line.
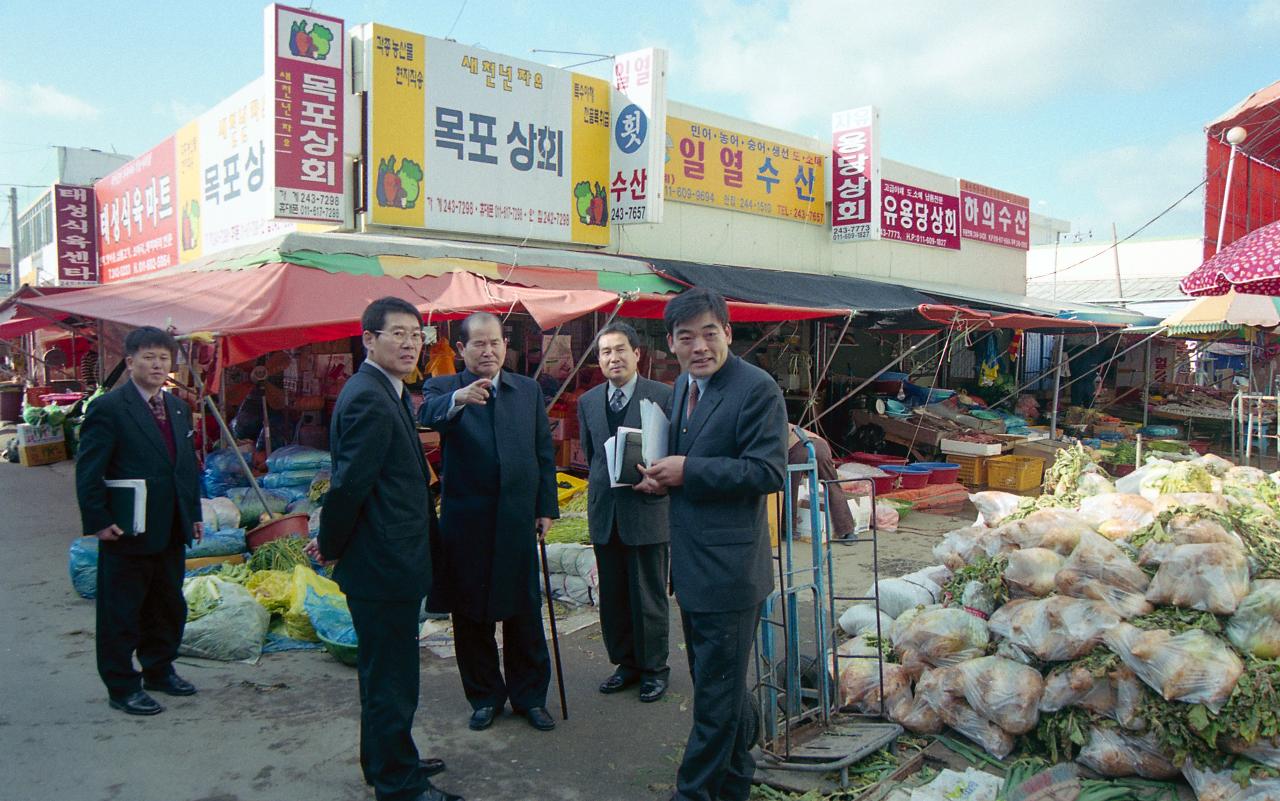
[(286, 728)]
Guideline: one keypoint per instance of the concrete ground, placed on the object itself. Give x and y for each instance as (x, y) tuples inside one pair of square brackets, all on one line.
[(286, 728)]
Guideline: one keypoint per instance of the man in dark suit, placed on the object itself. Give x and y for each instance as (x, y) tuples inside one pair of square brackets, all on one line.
[(628, 529), (729, 453), (498, 488), (378, 525), (140, 431)]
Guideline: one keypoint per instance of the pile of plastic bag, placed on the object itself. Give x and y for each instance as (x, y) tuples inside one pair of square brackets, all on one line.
[(574, 577), (1141, 607)]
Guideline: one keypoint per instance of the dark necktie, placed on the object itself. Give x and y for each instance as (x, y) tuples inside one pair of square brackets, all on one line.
[(693, 397), (157, 408), (617, 401)]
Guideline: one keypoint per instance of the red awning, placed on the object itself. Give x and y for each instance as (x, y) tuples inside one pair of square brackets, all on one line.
[(20, 326), (647, 306), (959, 315)]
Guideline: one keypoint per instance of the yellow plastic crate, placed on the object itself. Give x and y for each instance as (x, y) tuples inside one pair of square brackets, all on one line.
[(1015, 472), (973, 469)]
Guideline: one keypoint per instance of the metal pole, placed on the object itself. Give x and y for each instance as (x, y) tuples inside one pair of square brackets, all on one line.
[(1146, 386), (1041, 376), (1226, 194), (14, 253), (1115, 257), (879, 373), (1057, 389)]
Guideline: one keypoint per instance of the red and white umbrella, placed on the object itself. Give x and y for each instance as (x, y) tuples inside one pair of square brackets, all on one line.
[(1250, 265)]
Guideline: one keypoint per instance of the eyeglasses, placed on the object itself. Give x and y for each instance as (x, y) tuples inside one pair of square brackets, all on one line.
[(400, 336)]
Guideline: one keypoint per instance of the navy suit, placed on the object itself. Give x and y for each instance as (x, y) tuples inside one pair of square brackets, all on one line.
[(497, 476), (735, 449), (139, 602), (379, 521)]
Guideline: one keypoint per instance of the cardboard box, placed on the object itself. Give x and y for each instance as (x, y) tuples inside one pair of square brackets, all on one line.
[(36, 455), (39, 435)]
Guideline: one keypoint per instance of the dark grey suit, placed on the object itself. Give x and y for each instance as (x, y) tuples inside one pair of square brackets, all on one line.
[(379, 522), (735, 449), (630, 535)]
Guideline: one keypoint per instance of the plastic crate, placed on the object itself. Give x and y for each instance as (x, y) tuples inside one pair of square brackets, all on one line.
[(1015, 472), (973, 470)]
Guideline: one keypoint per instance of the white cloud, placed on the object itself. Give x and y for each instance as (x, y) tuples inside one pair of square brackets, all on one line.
[(801, 60), (180, 111), (1132, 184), (42, 100)]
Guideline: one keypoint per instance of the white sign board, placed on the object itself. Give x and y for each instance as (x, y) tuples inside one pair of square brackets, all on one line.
[(637, 143)]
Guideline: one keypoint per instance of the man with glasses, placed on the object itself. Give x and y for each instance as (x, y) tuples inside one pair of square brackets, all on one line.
[(498, 497), (378, 525)]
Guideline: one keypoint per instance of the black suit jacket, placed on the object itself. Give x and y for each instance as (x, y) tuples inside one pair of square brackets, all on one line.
[(641, 518), (378, 519), (735, 449), (489, 571), (120, 439)]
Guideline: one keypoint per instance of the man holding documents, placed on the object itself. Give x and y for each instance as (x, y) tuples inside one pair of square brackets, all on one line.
[(139, 493), (628, 528)]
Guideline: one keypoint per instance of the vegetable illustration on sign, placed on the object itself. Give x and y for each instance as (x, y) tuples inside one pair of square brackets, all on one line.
[(314, 43), (190, 225), (398, 187), (591, 203)]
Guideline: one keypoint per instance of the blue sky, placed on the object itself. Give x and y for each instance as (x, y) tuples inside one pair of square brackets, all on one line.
[(1095, 110)]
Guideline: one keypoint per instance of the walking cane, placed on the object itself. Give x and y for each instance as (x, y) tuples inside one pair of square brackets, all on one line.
[(555, 637)]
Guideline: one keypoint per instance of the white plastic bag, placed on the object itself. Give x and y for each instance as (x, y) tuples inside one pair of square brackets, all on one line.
[(1092, 484), (941, 637), (1116, 516), (1194, 666), (1031, 572), (233, 631), (1220, 786), (897, 595), (994, 506), (1056, 529), (1213, 577), (1053, 629), (860, 688), (944, 692), (1004, 692), (1255, 627), (1097, 569), (972, 785), (1115, 753), (861, 618), (963, 546)]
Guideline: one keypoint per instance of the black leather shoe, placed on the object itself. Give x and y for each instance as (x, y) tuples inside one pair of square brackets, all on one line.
[(433, 793), (138, 703), (430, 767), (653, 689), (482, 718), (540, 718), (173, 684), (618, 682)]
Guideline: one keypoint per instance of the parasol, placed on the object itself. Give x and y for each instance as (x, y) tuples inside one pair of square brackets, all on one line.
[(1250, 265), (1218, 313)]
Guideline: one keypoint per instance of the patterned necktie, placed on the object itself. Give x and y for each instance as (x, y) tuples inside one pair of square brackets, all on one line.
[(157, 408), (617, 401), (693, 397)]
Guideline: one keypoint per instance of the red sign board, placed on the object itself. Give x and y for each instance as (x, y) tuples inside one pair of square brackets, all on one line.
[(995, 217), (855, 174), (920, 216), (76, 233), (305, 59), (137, 227)]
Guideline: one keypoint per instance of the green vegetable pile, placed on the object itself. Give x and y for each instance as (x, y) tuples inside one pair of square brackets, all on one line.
[(578, 503), (570, 530), (282, 554), (236, 574), (986, 570), (202, 596)]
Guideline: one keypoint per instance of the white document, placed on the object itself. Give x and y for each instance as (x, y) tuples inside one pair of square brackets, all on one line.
[(656, 428), (139, 488)]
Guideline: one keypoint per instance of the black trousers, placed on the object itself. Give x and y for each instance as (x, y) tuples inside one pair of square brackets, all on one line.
[(387, 665), (525, 661), (634, 606), (717, 762), (140, 609)]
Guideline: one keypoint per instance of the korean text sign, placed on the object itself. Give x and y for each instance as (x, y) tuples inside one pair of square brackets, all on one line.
[(305, 59), (137, 221), (639, 121), (710, 166), (920, 216), (855, 174), (995, 217), (76, 233), (501, 147)]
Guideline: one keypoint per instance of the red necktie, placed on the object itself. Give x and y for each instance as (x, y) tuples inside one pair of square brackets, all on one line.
[(693, 397)]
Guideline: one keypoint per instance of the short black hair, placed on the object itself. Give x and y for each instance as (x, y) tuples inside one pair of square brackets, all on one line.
[(627, 331), (375, 314), (693, 303), (473, 320), (148, 336)]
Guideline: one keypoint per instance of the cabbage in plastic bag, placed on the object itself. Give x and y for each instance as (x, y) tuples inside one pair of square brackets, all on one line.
[(963, 546), (1194, 666), (860, 619), (232, 631), (82, 562), (1077, 686), (1056, 529), (944, 693), (860, 688), (290, 478), (1255, 627), (1031, 572), (251, 511), (298, 457), (941, 637), (1116, 516), (1053, 629), (1091, 484), (1212, 578), (1097, 569), (994, 506), (897, 595), (1221, 786), (1115, 753), (297, 622), (1004, 692), (227, 542), (919, 717)]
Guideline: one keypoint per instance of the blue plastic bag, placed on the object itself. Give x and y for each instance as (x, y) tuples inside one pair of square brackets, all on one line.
[(251, 511), (330, 617), (83, 564), (288, 478), (298, 457), (227, 542), (222, 471)]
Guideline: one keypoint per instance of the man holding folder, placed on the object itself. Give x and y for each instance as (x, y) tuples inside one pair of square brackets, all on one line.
[(139, 431)]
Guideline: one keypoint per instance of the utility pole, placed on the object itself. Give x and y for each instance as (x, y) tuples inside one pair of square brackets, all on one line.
[(1115, 255), (13, 230)]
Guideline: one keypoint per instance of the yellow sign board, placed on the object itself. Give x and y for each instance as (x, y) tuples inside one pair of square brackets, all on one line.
[(711, 166), (398, 101), (591, 129)]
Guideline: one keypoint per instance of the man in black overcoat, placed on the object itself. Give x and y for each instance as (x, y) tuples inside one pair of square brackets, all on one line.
[(498, 498)]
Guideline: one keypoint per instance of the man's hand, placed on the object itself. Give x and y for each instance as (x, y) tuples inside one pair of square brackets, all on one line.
[(542, 525), (110, 534), (474, 394), (312, 550), (197, 530), (666, 472)]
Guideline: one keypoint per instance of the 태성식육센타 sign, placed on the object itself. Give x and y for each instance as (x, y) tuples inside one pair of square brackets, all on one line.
[(919, 216), (470, 141), (995, 217), (75, 234), (710, 166)]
